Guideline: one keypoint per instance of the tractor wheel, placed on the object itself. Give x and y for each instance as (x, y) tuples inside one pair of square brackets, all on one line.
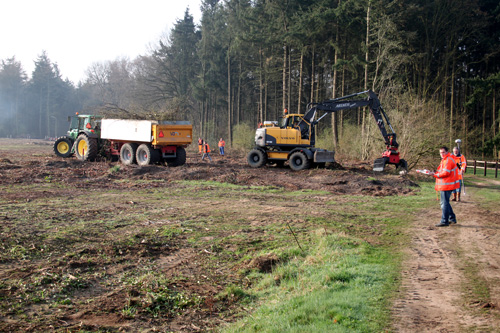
[(62, 147), (180, 158), (256, 158), (85, 148), (298, 161), (127, 153)]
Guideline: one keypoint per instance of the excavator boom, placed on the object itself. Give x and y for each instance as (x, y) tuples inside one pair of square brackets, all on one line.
[(391, 155)]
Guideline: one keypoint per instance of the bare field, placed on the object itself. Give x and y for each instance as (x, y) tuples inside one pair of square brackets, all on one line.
[(99, 246)]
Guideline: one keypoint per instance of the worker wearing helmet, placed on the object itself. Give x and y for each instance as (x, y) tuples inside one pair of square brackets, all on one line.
[(222, 144), (446, 182), (206, 151), (461, 164), (200, 145)]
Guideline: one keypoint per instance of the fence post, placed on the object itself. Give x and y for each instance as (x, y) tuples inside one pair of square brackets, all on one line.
[(474, 167), (496, 169), (485, 168)]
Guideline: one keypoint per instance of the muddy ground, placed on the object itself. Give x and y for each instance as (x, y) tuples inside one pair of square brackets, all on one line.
[(90, 246), (38, 164)]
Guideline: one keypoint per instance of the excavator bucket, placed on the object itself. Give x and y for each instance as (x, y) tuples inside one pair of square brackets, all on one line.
[(379, 164), (324, 156)]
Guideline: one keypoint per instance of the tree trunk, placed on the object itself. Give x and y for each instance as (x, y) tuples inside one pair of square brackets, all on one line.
[(334, 89), (484, 125), (312, 74), (289, 102), (494, 111), (284, 77), (261, 116), (229, 104), (364, 153), (299, 102), (238, 106), (452, 98)]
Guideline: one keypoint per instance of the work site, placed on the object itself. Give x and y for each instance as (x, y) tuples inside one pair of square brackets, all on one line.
[(261, 166)]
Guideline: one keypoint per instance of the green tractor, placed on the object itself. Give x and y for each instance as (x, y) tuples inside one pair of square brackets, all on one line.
[(82, 138)]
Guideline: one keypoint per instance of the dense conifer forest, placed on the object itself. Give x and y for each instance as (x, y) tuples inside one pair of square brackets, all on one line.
[(435, 65)]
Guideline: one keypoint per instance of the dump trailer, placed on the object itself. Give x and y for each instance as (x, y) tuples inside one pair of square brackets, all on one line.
[(147, 142), (131, 141)]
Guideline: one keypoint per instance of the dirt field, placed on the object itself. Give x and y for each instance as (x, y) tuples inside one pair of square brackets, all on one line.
[(96, 245)]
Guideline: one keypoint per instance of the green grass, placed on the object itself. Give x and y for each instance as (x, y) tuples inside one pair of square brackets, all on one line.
[(347, 275), (490, 171), (488, 190), (338, 284)]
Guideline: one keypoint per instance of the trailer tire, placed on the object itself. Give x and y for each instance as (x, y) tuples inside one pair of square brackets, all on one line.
[(127, 153), (86, 148), (179, 159), (146, 155), (63, 146), (256, 158), (299, 161)]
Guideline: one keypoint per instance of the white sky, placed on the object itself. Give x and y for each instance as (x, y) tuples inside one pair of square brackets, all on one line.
[(77, 33)]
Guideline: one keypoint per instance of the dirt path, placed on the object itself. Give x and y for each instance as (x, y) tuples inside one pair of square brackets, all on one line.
[(452, 277)]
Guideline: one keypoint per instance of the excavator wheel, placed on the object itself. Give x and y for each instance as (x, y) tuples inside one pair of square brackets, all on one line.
[(62, 147), (256, 158), (85, 148), (298, 161), (127, 153)]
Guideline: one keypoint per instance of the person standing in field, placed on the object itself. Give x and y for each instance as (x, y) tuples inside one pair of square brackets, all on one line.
[(446, 182), (461, 164), (222, 144), (206, 151), (200, 145)]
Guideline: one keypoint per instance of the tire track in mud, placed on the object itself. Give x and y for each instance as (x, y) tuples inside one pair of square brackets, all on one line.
[(432, 289)]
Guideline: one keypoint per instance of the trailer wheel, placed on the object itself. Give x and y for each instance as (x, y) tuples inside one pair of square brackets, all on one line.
[(85, 148), (256, 158), (146, 155), (127, 153), (62, 147), (179, 159), (298, 161)]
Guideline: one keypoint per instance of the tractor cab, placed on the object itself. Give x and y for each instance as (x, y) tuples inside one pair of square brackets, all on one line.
[(89, 124)]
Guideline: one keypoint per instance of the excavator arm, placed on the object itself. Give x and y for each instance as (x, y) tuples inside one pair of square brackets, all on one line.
[(391, 155)]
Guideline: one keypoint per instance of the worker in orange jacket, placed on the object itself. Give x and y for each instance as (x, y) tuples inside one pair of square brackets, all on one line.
[(200, 145), (461, 164), (222, 144), (206, 151), (446, 182)]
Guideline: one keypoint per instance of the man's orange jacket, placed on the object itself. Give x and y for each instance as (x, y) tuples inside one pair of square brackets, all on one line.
[(222, 143), (463, 164), (206, 149), (447, 174)]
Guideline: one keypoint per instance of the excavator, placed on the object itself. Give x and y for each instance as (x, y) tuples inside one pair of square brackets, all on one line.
[(294, 141)]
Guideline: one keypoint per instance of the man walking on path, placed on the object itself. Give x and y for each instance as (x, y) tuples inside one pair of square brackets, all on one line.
[(222, 144), (200, 145), (206, 151), (461, 164), (446, 182)]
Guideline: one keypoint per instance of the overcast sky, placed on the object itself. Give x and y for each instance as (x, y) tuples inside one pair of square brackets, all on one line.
[(77, 33)]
